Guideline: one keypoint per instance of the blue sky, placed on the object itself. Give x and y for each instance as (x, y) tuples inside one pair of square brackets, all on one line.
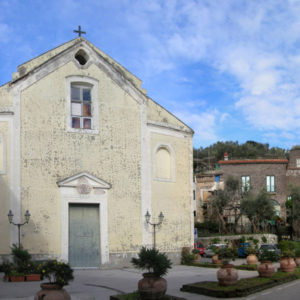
[(229, 69)]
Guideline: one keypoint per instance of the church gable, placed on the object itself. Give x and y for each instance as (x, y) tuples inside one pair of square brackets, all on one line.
[(83, 54), (84, 180)]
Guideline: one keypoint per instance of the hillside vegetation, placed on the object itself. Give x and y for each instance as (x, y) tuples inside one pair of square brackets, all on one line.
[(206, 158)]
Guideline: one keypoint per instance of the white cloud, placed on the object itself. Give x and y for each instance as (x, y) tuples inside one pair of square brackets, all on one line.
[(204, 124), (257, 42)]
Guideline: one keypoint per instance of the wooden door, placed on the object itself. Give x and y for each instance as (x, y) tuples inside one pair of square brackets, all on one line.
[(84, 236)]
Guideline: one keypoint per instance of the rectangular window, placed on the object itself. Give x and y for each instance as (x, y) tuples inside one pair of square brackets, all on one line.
[(270, 184), (297, 162), (81, 111), (245, 183)]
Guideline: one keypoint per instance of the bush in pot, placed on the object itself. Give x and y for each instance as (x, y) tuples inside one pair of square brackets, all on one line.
[(197, 255), (297, 257), (251, 256), (59, 274), (287, 262), (152, 286), (186, 256), (227, 274), (266, 268), (6, 268), (21, 258), (215, 259)]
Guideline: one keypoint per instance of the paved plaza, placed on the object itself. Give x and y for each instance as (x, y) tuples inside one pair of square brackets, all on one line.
[(101, 284)]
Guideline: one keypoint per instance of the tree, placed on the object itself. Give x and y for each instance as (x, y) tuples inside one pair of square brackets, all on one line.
[(293, 204), (258, 208), (206, 158), (226, 203)]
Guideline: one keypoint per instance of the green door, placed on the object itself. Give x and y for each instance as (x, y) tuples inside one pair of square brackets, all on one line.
[(84, 236)]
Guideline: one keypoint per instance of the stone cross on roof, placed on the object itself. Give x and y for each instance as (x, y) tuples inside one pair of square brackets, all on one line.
[(79, 31)]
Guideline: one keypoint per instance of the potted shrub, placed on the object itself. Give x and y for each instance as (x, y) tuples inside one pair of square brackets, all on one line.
[(266, 268), (59, 274), (152, 286), (6, 268), (251, 256), (197, 255), (33, 272), (297, 257), (186, 256), (287, 262), (16, 276), (21, 258), (215, 258), (227, 274)]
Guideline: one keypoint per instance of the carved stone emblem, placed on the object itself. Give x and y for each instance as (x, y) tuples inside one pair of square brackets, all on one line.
[(83, 186)]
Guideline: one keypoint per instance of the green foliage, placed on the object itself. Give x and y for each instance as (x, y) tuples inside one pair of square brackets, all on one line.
[(288, 253), (207, 227), (187, 258), (209, 156), (251, 250), (216, 240), (227, 199), (286, 245), (242, 239), (264, 239), (21, 258), (226, 254), (258, 208), (268, 256), (196, 251), (153, 261), (6, 267), (14, 272), (297, 252), (57, 272)]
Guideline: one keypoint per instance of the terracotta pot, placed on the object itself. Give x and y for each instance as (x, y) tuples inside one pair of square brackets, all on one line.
[(215, 259), (33, 277), (297, 261), (266, 269), (151, 287), (227, 275), (252, 259), (287, 264), (52, 291), (17, 278), (197, 257)]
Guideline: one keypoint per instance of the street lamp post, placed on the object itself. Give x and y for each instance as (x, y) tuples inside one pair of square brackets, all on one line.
[(160, 220), (10, 219)]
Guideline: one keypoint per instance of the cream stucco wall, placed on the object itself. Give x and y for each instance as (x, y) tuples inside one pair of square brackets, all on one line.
[(5, 96), (5, 185), (50, 152), (173, 197)]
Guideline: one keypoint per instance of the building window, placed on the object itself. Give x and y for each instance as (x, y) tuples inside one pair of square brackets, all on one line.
[(298, 162), (82, 95), (81, 106), (245, 184), (164, 163), (270, 184), (276, 207)]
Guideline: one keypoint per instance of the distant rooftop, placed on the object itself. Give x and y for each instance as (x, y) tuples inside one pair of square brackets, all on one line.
[(253, 161)]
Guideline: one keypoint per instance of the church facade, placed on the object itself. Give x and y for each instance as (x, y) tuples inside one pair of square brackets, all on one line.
[(88, 153)]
